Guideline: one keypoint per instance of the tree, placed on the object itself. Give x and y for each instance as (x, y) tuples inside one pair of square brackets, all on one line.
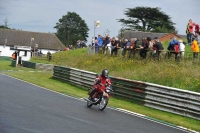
[(70, 28), (5, 26), (147, 19)]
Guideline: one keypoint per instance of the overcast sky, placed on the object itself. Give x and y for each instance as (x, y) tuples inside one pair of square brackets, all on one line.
[(42, 15)]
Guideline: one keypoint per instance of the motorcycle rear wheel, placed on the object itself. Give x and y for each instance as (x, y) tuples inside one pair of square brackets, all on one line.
[(103, 104)]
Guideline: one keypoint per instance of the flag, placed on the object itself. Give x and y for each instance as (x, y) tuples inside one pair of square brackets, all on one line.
[(97, 23)]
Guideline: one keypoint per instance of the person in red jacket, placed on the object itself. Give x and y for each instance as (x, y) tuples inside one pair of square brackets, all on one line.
[(100, 83), (189, 31)]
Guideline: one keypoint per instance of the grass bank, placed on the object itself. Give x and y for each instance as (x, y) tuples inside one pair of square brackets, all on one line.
[(44, 79), (184, 75)]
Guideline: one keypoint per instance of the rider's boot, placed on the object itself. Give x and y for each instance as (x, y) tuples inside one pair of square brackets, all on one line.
[(91, 94)]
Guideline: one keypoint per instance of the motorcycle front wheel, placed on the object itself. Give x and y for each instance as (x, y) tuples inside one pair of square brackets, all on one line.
[(89, 104), (103, 103)]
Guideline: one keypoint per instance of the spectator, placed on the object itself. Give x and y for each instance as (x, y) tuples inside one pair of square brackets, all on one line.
[(150, 46), (182, 48), (143, 48), (108, 47), (90, 49), (82, 44), (197, 38), (49, 56), (189, 31), (106, 41), (159, 48), (96, 45), (134, 45), (70, 47), (127, 46), (123, 44), (114, 46), (93, 39), (14, 55), (171, 48), (102, 45), (197, 28), (100, 42), (195, 48), (40, 53), (78, 44)]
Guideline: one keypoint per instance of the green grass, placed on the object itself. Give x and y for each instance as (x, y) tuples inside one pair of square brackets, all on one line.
[(184, 75), (45, 79)]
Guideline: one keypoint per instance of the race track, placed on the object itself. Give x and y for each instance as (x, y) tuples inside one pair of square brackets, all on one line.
[(26, 108)]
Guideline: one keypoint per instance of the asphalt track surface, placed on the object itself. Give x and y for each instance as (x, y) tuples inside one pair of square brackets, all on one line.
[(26, 108)]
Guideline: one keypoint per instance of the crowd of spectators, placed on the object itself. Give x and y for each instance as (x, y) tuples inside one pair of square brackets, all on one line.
[(131, 47), (148, 46), (191, 29)]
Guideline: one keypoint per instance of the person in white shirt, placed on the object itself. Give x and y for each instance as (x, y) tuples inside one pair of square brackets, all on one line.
[(181, 48)]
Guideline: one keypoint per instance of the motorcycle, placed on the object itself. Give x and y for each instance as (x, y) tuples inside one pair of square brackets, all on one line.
[(100, 97)]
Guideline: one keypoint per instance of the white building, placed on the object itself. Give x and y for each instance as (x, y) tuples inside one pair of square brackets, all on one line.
[(29, 43)]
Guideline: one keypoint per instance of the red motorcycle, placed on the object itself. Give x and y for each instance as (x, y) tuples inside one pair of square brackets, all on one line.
[(100, 97)]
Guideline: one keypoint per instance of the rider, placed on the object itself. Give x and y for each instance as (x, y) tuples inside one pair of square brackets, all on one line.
[(100, 83)]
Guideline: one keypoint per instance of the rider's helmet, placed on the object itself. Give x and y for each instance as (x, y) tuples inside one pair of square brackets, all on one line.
[(104, 73)]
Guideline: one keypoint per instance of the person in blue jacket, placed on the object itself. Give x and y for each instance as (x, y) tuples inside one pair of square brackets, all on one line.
[(173, 47), (100, 42)]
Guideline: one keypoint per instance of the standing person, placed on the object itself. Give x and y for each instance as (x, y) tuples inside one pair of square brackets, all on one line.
[(182, 48), (93, 41), (143, 48), (159, 48), (150, 46), (106, 41), (197, 37), (96, 45), (133, 47), (197, 28), (189, 31), (114, 46), (14, 55), (78, 44), (195, 48), (100, 42), (82, 44), (127, 45)]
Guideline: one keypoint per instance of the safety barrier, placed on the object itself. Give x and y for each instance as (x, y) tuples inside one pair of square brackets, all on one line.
[(39, 66), (185, 103)]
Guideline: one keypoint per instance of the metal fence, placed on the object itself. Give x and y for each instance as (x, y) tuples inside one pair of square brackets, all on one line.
[(163, 55), (185, 103), (150, 54)]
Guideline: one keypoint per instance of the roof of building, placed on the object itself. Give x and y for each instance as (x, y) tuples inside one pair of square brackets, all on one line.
[(27, 38), (139, 34)]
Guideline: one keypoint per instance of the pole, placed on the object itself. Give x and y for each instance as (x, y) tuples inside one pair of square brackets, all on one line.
[(30, 42), (94, 37), (94, 28)]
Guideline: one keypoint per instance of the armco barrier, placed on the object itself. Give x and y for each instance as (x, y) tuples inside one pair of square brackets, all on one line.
[(29, 64), (40, 66), (173, 100), (185, 103)]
